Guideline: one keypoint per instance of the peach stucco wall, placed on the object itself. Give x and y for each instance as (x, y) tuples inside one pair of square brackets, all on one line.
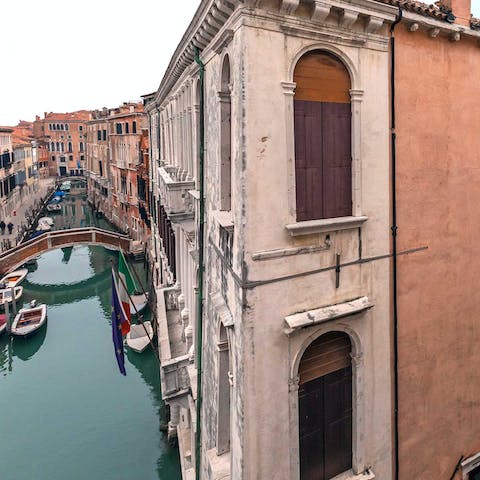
[(438, 201)]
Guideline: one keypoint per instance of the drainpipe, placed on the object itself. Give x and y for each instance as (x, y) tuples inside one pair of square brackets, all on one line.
[(394, 235), (201, 267)]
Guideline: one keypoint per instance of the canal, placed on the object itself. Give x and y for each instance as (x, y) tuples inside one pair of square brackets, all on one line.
[(65, 410)]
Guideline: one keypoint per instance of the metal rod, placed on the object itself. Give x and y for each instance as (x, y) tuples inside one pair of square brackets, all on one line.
[(14, 304), (7, 314)]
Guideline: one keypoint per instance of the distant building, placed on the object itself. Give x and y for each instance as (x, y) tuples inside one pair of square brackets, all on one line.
[(98, 162), (117, 167), (66, 135), (7, 176)]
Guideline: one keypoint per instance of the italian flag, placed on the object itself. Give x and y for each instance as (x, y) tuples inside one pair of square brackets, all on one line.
[(126, 280)]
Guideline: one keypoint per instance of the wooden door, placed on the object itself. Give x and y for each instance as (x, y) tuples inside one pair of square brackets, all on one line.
[(325, 425)]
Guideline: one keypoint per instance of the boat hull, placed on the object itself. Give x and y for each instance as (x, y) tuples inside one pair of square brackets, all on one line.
[(137, 338), (29, 320), (138, 303), (6, 295), (14, 278)]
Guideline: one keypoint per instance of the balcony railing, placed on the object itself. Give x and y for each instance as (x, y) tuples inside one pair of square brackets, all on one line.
[(174, 186), (174, 358)]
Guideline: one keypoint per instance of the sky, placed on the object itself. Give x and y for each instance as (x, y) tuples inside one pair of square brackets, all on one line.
[(59, 56)]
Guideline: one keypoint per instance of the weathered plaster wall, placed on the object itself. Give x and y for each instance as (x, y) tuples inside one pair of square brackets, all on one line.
[(214, 261), (271, 416), (438, 194)]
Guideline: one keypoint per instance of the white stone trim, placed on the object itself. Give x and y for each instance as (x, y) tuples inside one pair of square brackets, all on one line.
[(356, 96), (470, 464), (324, 314), (297, 346), (325, 225)]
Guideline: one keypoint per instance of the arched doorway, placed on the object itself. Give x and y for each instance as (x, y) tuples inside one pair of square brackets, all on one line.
[(323, 154), (325, 407)]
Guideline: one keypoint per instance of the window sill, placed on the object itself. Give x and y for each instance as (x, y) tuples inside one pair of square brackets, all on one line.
[(224, 219), (325, 225), (368, 475)]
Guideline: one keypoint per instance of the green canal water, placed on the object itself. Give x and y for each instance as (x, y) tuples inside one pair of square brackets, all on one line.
[(65, 410)]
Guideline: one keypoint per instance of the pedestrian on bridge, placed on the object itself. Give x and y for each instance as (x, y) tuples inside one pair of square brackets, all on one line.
[(9, 226), (2, 226)]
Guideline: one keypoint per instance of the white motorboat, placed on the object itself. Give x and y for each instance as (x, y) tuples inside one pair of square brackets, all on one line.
[(29, 320), (43, 227), (139, 336), (6, 295), (46, 220), (138, 303), (14, 278), (65, 186), (54, 207)]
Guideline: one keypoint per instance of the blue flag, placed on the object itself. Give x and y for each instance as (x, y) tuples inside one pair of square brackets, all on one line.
[(118, 317)]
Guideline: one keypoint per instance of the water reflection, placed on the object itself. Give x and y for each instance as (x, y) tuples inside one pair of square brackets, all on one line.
[(68, 372), (26, 348)]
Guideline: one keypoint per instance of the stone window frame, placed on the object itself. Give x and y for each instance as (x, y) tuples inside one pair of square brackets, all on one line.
[(298, 343), (224, 333), (356, 96), (469, 464), (225, 95)]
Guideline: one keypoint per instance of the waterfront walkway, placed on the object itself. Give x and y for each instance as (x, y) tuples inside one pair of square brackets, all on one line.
[(27, 204)]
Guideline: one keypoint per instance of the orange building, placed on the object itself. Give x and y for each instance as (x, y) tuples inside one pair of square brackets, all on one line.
[(437, 66), (66, 135), (126, 130)]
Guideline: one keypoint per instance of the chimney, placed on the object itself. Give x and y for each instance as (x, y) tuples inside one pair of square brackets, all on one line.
[(460, 8)]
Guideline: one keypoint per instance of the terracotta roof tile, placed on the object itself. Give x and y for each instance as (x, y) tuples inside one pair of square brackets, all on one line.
[(475, 23), (435, 11)]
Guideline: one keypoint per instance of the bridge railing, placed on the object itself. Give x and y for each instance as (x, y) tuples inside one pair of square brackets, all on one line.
[(18, 255)]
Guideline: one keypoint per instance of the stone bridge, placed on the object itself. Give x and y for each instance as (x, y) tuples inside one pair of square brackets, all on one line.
[(17, 256)]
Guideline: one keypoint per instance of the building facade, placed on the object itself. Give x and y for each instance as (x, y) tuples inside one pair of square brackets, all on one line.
[(125, 136), (437, 58), (7, 176), (65, 135), (117, 167), (293, 269), (98, 162)]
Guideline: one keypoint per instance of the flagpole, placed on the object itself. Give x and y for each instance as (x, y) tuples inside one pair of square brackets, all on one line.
[(150, 339), (138, 280)]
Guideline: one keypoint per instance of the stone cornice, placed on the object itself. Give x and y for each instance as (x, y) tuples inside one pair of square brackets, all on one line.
[(212, 15)]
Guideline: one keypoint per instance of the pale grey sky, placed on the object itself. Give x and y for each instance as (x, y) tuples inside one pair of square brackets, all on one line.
[(65, 56)]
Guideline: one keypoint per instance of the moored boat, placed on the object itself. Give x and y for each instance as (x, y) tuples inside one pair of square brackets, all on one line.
[(3, 323), (54, 207), (29, 320), (46, 220), (14, 278), (138, 303), (6, 295), (139, 336)]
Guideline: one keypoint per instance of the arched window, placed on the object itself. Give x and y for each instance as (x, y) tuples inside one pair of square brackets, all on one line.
[(323, 160), (325, 407), (225, 139)]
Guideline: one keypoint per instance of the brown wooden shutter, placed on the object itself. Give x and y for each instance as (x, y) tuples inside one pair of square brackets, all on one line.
[(308, 159), (322, 137), (337, 172)]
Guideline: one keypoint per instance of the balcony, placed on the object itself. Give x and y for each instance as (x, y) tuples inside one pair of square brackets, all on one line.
[(122, 197), (173, 351), (174, 186)]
